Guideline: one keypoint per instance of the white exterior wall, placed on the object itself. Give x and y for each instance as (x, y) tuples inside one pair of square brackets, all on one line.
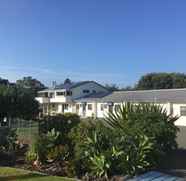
[(68, 109), (60, 108), (176, 112), (91, 113), (104, 112)]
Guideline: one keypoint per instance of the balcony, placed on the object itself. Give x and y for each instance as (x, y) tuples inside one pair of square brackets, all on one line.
[(43, 100), (61, 99)]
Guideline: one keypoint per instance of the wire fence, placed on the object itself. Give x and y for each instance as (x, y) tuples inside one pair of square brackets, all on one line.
[(26, 130)]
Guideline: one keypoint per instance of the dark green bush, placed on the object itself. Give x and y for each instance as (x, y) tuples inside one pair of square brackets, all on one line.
[(149, 119), (8, 138), (80, 134), (45, 148), (62, 123), (129, 141)]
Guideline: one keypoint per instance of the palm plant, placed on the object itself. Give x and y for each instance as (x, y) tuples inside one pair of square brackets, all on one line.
[(145, 132)]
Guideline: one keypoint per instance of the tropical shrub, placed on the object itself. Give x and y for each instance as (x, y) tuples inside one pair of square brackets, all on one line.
[(44, 148), (149, 119), (31, 154), (106, 155), (130, 140), (62, 123), (80, 142)]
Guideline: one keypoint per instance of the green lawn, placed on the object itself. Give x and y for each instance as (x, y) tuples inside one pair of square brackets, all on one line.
[(12, 174)]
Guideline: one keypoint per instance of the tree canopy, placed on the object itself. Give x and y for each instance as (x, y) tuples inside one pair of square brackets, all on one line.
[(30, 83), (17, 103), (162, 81), (111, 87)]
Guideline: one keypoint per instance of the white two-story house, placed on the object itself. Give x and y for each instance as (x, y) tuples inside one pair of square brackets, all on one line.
[(62, 98), (90, 99)]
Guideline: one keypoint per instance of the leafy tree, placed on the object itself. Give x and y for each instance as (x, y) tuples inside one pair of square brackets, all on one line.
[(31, 84), (4, 81), (16, 103), (161, 81), (112, 87)]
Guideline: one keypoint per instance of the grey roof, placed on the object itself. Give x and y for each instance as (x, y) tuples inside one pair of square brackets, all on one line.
[(92, 97), (159, 96), (72, 85)]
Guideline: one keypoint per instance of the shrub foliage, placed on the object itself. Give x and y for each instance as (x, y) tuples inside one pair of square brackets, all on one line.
[(130, 140)]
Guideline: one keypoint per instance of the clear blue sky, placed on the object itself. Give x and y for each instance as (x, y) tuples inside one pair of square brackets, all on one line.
[(104, 40)]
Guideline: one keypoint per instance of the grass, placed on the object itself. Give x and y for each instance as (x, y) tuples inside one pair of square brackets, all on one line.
[(12, 174)]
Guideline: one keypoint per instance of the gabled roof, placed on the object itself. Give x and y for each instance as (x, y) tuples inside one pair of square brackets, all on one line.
[(71, 85), (153, 96)]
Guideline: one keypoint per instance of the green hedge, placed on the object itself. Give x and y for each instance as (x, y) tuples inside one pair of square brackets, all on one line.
[(62, 123)]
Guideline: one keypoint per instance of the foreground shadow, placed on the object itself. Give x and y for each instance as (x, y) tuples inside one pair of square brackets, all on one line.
[(175, 163)]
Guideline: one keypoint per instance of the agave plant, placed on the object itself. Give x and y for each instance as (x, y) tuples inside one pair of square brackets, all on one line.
[(148, 119), (145, 132), (99, 165)]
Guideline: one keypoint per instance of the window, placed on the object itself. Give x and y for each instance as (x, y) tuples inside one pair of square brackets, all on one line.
[(51, 95), (86, 91), (94, 91), (66, 106), (102, 107), (60, 93), (69, 93), (89, 106), (183, 110), (77, 106)]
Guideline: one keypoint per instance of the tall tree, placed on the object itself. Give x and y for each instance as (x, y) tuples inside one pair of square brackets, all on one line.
[(162, 81), (4, 81), (31, 84), (17, 103), (111, 87)]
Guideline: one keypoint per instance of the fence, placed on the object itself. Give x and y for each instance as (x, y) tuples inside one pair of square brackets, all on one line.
[(26, 130)]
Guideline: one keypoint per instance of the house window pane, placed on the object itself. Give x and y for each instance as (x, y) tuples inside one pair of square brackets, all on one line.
[(102, 107), (86, 91), (183, 110), (69, 93), (60, 93), (65, 106), (89, 106)]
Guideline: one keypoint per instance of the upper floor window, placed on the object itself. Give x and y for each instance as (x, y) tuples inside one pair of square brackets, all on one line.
[(89, 106), (60, 93), (86, 91), (183, 110), (69, 93), (51, 95)]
